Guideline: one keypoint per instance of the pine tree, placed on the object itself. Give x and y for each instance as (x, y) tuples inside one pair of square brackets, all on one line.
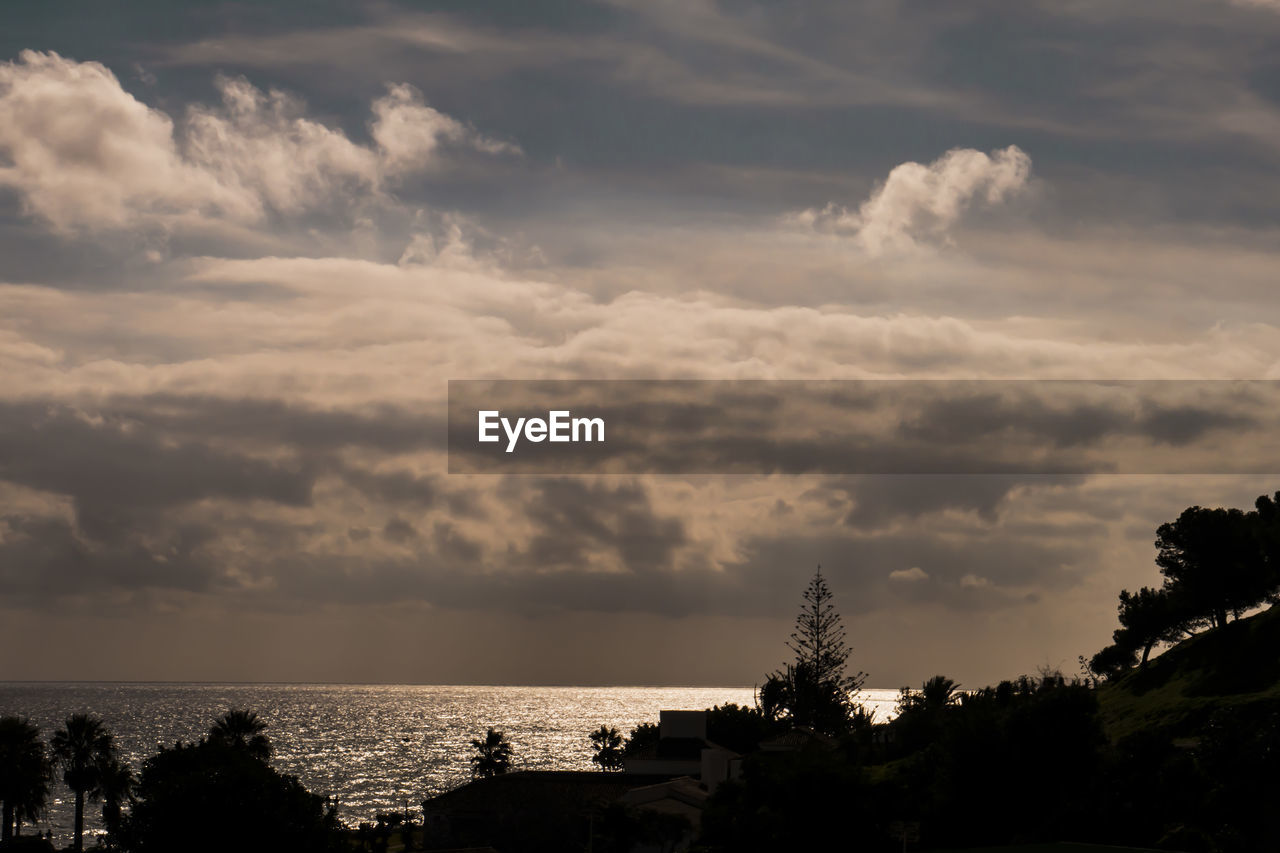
[(815, 691), (819, 639)]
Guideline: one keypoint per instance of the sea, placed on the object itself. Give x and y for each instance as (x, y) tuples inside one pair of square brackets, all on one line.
[(376, 748)]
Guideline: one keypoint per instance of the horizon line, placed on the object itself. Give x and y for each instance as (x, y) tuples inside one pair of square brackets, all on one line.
[(70, 681)]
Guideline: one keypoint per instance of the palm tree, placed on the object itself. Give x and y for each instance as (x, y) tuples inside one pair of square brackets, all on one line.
[(607, 743), (82, 748), (244, 730), (117, 783), (494, 754), (24, 773), (938, 693)]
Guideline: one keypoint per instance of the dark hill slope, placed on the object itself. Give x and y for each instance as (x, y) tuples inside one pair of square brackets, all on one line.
[(1236, 667)]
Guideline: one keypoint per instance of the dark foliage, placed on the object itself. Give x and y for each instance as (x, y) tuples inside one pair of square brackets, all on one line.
[(1150, 616), (641, 738), (212, 796), (84, 750), (606, 743), (243, 730), (618, 829), (25, 773), (1113, 660), (795, 801), (1011, 763), (739, 728), (493, 754)]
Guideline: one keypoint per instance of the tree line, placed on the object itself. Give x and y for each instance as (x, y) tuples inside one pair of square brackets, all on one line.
[(216, 794), (82, 753)]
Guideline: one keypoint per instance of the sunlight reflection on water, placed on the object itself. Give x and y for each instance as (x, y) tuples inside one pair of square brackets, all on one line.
[(375, 747)]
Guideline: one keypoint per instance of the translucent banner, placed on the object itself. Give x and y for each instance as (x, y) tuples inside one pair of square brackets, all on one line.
[(864, 427)]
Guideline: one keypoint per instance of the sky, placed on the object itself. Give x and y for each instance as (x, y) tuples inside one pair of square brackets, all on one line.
[(244, 248)]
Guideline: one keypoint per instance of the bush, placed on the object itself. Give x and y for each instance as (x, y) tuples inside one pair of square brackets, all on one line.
[(211, 797)]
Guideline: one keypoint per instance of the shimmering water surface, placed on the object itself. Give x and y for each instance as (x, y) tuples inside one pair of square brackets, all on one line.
[(375, 747)]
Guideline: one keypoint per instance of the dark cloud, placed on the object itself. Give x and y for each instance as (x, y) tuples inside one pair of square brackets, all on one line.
[(875, 502), (398, 487), (1184, 425), (383, 427), (108, 462), (574, 519), (44, 560), (399, 531), (139, 475)]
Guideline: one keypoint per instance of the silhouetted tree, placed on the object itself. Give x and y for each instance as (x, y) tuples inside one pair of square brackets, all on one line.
[(116, 782), (922, 713), (214, 797), (608, 748), (24, 773), (1267, 514), (641, 738), (1114, 659), (774, 696), (493, 756), (82, 748), (819, 638), (795, 696), (738, 727), (1150, 616), (1216, 563), (815, 691), (1213, 560), (243, 730), (935, 695)]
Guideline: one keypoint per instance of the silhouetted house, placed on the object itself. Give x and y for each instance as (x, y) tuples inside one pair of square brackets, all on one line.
[(683, 750), (682, 798), (525, 809)]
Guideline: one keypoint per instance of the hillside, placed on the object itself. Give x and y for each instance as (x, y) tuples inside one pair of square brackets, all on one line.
[(1236, 667)]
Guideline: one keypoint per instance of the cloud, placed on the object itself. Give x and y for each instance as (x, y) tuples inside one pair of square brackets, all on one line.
[(85, 153), (262, 147), (408, 132), (82, 151), (878, 502), (918, 204), (576, 521), (911, 575)]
